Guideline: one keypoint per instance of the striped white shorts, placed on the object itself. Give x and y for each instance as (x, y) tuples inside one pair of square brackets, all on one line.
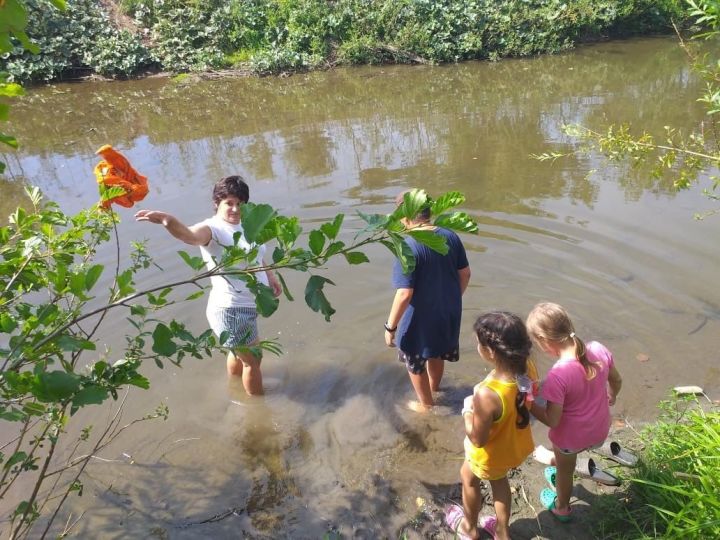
[(239, 322)]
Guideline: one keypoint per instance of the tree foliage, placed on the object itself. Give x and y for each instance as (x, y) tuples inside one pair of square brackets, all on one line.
[(289, 35), (691, 158), (50, 366)]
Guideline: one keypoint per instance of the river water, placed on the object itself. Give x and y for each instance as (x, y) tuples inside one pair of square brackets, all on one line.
[(331, 447)]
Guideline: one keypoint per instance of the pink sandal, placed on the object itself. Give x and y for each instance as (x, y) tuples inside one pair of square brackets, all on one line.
[(453, 518), (488, 524)]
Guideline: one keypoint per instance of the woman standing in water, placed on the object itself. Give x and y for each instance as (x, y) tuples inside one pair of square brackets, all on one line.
[(231, 306), (424, 320)]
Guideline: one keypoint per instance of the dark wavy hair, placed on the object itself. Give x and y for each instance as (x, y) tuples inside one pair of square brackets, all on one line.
[(505, 334), (231, 186)]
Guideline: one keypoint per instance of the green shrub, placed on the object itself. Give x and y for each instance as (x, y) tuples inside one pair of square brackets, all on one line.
[(282, 35), (79, 41), (674, 491)]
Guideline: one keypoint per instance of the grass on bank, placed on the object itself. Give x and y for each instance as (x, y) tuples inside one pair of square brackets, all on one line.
[(674, 492)]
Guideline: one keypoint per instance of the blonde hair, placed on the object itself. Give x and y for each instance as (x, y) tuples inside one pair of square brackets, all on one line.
[(550, 322)]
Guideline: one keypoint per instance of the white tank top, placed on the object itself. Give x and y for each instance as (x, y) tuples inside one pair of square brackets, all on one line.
[(228, 291)]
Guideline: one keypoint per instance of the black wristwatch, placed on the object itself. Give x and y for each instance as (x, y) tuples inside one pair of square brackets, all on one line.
[(388, 328)]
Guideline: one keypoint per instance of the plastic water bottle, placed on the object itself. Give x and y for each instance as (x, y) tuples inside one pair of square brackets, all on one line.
[(524, 384)]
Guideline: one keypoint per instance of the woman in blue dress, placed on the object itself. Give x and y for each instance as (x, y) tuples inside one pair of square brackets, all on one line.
[(424, 320)]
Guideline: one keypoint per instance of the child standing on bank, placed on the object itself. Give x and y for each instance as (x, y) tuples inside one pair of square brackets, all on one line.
[(496, 422), (579, 389)]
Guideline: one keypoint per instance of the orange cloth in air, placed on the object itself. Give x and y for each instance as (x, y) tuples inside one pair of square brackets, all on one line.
[(115, 170)]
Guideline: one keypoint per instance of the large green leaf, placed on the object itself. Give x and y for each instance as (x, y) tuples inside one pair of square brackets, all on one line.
[(356, 257), (457, 221), (446, 201), (9, 140), (413, 202), (265, 300), (254, 219), (55, 385), (332, 228), (196, 263), (402, 251), (92, 275), (434, 241), (90, 395), (316, 242), (374, 221), (315, 297), (71, 343), (162, 341)]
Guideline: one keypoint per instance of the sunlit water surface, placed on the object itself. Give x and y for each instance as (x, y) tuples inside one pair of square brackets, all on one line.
[(331, 447)]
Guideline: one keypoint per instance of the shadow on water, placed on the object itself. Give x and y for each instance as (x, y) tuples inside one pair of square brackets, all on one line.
[(329, 470)]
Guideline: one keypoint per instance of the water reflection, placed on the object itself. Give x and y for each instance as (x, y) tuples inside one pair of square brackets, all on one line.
[(329, 449), (433, 126)]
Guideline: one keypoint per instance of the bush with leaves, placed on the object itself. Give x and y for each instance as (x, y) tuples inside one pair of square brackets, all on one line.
[(289, 35), (77, 41), (672, 494), (49, 363)]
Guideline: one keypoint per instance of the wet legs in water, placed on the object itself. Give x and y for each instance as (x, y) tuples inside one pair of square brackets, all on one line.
[(427, 382), (246, 365)]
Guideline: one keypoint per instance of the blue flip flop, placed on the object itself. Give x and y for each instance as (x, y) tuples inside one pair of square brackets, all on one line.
[(550, 473), (548, 498)]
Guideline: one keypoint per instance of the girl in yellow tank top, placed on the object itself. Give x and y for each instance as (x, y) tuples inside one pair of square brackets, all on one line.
[(496, 420)]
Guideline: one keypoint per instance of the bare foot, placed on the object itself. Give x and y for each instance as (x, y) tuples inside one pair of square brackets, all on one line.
[(418, 407)]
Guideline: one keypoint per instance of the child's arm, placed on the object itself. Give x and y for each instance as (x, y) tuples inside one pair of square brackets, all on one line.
[(195, 235), (549, 414), (615, 383), (486, 408)]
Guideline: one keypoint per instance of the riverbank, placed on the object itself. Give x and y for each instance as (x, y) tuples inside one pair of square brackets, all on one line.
[(675, 475), (132, 38)]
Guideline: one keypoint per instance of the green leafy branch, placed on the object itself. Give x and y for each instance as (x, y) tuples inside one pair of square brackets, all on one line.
[(689, 157), (48, 279)]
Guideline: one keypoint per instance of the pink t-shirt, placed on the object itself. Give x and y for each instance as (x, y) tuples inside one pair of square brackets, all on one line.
[(585, 419)]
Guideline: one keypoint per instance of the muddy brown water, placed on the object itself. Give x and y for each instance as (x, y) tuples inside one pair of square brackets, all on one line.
[(331, 447)]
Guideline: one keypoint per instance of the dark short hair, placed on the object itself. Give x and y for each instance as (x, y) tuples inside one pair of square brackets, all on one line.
[(231, 186)]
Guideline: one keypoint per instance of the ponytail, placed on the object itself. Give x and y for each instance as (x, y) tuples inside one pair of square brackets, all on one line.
[(580, 351)]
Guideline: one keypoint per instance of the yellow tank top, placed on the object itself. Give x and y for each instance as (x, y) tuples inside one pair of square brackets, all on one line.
[(507, 445)]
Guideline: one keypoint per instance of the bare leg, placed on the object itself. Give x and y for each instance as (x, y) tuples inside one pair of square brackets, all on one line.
[(234, 365), (421, 384), (472, 500), (246, 365), (565, 464), (502, 502), (435, 369)]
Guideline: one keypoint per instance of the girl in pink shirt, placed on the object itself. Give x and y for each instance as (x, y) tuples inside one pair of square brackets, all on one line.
[(579, 390)]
